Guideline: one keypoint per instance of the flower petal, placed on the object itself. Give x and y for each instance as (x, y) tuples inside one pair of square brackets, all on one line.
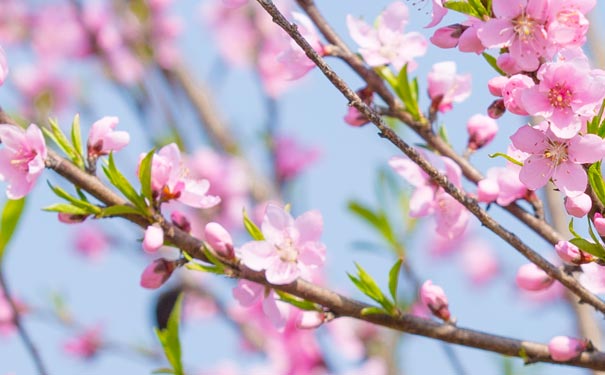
[(257, 255)]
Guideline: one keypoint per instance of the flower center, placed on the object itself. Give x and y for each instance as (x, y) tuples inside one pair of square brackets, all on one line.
[(287, 252), (21, 161), (556, 152), (524, 26), (560, 96)]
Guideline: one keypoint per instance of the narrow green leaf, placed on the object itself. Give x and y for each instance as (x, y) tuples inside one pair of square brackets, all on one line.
[(145, 175), (406, 93), (11, 213), (296, 302), (68, 209), (61, 140), (593, 125), (118, 210), (118, 180), (479, 8), (81, 203), (76, 140), (378, 220), (571, 229), (443, 134), (372, 311), (507, 157), (366, 284), (394, 279), (590, 231), (591, 248), (213, 259), (163, 371), (252, 228), (169, 338), (596, 181), (461, 7), (491, 60)]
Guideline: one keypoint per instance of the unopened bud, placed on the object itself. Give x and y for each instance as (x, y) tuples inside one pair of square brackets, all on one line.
[(157, 273), (579, 205), (219, 239), (481, 130), (496, 109), (310, 319), (180, 221), (154, 238), (563, 348), (435, 299), (570, 253), (599, 223), (530, 277), (71, 218)]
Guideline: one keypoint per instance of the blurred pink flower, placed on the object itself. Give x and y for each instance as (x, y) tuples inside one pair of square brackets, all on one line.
[(85, 345), (386, 43), (479, 261), (153, 239), (530, 277), (43, 88), (447, 87), (291, 248), (434, 298), (437, 13), (593, 277), (21, 159), (91, 242), (481, 130), (294, 58), (57, 32), (501, 185), (156, 274), (3, 66), (103, 139), (563, 348), (292, 158), (248, 293)]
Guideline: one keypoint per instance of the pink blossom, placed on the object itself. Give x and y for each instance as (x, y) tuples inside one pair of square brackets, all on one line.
[(567, 95), (156, 274), (353, 116), (519, 25), (3, 66), (502, 185), (578, 205), (180, 221), (14, 21), (91, 242), (43, 88), (435, 299), (563, 348), (153, 239), (481, 130), (464, 36), (21, 159), (291, 248), (530, 277), (559, 159), (103, 139), (248, 293), (275, 75), (234, 3), (386, 43), (292, 158), (512, 93), (568, 24), (85, 345), (437, 13), (219, 239), (7, 323), (294, 58), (599, 223), (447, 87), (310, 319), (58, 33), (593, 277), (169, 180), (570, 253), (429, 198), (496, 85), (479, 261)]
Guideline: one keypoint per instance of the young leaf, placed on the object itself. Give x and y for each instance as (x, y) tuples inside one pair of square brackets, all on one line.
[(461, 7), (252, 228), (589, 247), (80, 203), (394, 279), (366, 284), (407, 93), (372, 310), (169, 338), (118, 180), (76, 140), (57, 135), (8, 222), (296, 302), (145, 175), (571, 229), (596, 181), (507, 157), (491, 60), (378, 220), (118, 210), (67, 209)]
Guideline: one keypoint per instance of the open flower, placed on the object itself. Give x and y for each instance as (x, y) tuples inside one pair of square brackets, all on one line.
[(103, 139), (291, 247), (21, 159), (447, 87)]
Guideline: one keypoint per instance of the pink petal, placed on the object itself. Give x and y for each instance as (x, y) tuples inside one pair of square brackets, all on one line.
[(536, 172), (257, 255), (589, 148), (273, 312), (276, 223), (309, 226), (570, 178), (312, 254), (530, 140), (194, 194), (422, 201), (409, 170), (247, 292), (280, 272)]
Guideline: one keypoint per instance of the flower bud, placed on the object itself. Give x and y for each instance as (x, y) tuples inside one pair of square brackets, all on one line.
[(435, 299), (71, 218), (219, 239), (153, 239), (496, 109), (355, 118), (570, 253), (599, 223), (579, 205), (180, 221), (530, 277), (563, 348), (310, 319), (496, 84), (448, 36), (481, 130), (157, 273)]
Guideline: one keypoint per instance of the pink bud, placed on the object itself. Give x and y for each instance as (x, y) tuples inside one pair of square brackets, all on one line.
[(481, 129), (570, 253), (310, 319), (448, 36), (103, 139), (530, 277), (71, 218), (219, 239), (153, 239), (355, 118), (496, 84), (496, 109), (579, 205), (435, 299), (599, 223), (157, 273), (180, 221), (563, 348)]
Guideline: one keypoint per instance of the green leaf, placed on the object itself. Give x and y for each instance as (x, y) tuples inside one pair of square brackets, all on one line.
[(590, 231), (461, 7), (366, 284), (596, 181), (252, 228), (479, 8), (407, 94), (394, 279), (67, 209), (118, 210), (81, 203), (169, 338), (571, 229), (163, 371), (60, 139), (11, 213), (378, 220), (76, 140), (145, 175), (195, 265), (297, 302), (372, 311), (443, 134), (591, 248), (507, 157), (118, 180), (491, 60)]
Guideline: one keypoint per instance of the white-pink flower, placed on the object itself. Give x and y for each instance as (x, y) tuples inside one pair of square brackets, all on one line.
[(103, 139), (447, 87), (291, 248), (248, 293), (3, 66), (21, 159), (170, 180), (556, 158), (386, 43), (294, 58)]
